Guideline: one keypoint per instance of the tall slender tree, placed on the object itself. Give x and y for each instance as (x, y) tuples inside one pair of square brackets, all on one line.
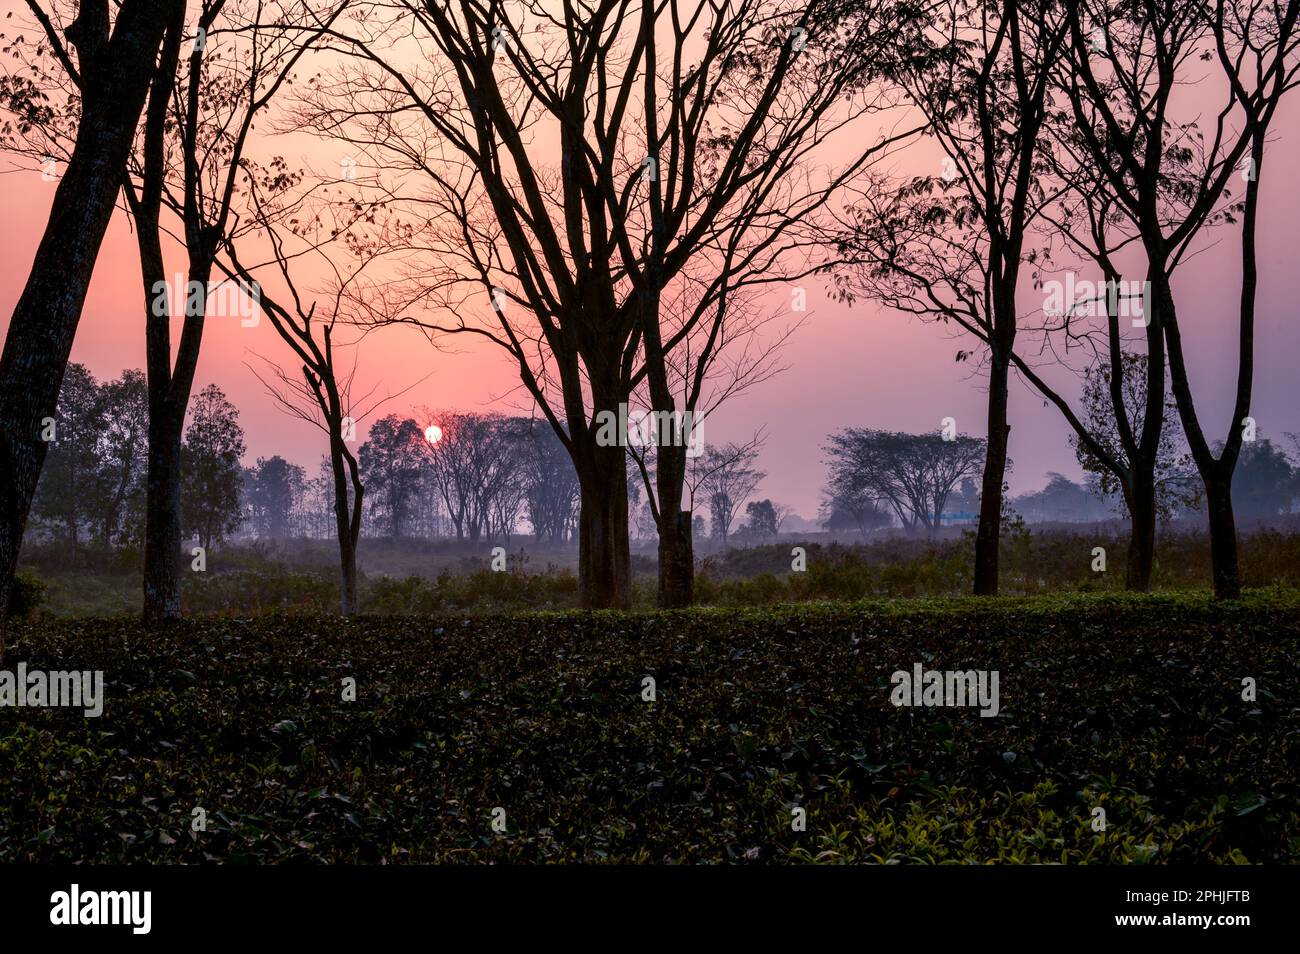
[(192, 157), (951, 245)]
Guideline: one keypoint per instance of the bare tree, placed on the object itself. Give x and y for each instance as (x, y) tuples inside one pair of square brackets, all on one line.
[(552, 484), (678, 130), (478, 463), (912, 474), (726, 476), (323, 395)]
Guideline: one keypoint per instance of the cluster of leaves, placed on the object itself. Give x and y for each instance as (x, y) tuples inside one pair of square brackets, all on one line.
[(1133, 705)]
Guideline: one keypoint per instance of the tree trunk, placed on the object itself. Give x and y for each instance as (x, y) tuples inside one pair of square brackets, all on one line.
[(676, 561), (676, 551), (162, 534), (115, 74), (1223, 538), (348, 604), (987, 537), (162, 525), (604, 554), (1142, 530), (347, 524)]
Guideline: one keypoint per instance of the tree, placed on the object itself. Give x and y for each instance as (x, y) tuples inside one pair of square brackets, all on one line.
[(1061, 500), (1266, 482), (950, 247), (674, 125), (391, 461), (214, 443), (1172, 491), (119, 485), (727, 477), (274, 489), (322, 394), (911, 474), (1258, 51), (761, 521), (112, 65), (73, 463), (552, 486), (1127, 106), (781, 513), (699, 528), (845, 507)]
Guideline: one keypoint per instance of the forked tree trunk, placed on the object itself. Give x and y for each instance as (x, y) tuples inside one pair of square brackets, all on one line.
[(169, 396)]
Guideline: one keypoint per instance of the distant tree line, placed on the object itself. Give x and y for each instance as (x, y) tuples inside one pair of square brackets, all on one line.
[(920, 482), (485, 477)]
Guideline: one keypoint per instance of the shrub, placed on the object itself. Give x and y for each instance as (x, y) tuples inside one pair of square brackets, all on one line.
[(26, 596), (1129, 704)]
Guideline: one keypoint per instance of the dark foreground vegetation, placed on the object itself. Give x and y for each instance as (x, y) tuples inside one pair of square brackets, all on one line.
[(1129, 704)]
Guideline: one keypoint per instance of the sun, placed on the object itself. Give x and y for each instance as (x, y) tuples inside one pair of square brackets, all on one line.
[(433, 433)]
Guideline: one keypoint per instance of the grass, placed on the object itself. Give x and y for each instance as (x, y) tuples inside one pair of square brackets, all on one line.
[(1129, 704), (410, 577)]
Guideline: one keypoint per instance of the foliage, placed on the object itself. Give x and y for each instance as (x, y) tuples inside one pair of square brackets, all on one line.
[(73, 459), (391, 462), (272, 489), (1125, 703), (911, 475), (210, 489), (1266, 481), (1177, 487)]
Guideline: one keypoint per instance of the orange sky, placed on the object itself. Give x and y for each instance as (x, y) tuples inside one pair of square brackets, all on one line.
[(847, 366)]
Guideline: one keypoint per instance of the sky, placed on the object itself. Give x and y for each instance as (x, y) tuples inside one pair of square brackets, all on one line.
[(847, 366)]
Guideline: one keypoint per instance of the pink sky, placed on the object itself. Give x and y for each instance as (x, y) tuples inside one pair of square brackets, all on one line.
[(847, 367)]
